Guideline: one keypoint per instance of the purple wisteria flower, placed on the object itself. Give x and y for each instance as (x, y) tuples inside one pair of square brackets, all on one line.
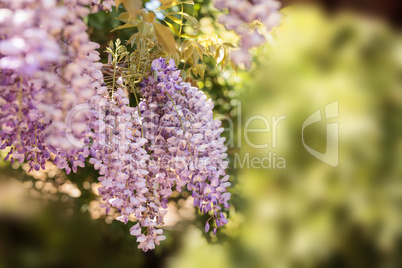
[(185, 145), (48, 68), (97, 5), (168, 142), (242, 13)]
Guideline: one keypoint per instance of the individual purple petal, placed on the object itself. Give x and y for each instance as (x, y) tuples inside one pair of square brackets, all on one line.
[(207, 227)]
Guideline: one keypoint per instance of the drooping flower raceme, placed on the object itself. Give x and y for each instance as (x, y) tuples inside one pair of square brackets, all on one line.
[(118, 154), (242, 14), (170, 141), (185, 140), (48, 69)]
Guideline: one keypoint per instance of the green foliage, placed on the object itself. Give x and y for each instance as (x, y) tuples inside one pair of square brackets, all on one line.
[(153, 39)]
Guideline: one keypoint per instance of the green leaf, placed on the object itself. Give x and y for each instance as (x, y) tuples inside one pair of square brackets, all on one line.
[(225, 62), (220, 54), (133, 39), (194, 70), (118, 42), (124, 17), (171, 26), (185, 44), (189, 36), (176, 58), (202, 51), (109, 50), (183, 74), (165, 38), (228, 45), (188, 53), (145, 28), (233, 65), (196, 57), (149, 17), (174, 19), (133, 7), (192, 20), (168, 3), (201, 70)]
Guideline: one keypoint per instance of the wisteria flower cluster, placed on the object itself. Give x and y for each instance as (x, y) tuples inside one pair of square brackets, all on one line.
[(54, 105), (48, 66), (119, 155), (97, 5), (240, 18), (167, 142)]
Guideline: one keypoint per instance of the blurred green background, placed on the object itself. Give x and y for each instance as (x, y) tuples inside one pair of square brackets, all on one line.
[(308, 214)]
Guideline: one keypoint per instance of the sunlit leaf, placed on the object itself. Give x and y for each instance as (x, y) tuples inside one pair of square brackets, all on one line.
[(188, 53), (109, 50), (233, 65), (133, 7), (225, 62), (194, 70), (220, 54), (189, 36), (228, 45), (192, 20), (124, 17), (176, 59), (184, 45), (168, 3), (145, 28), (174, 19), (132, 39), (165, 38), (196, 57), (171, 26), (201, 70), (149, 17), (200, 47)]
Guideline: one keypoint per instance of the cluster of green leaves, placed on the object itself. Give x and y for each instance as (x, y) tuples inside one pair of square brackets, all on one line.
[(153, 38)]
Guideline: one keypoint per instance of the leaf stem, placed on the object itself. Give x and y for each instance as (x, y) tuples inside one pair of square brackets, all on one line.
[(181, 24), (114, 73)]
